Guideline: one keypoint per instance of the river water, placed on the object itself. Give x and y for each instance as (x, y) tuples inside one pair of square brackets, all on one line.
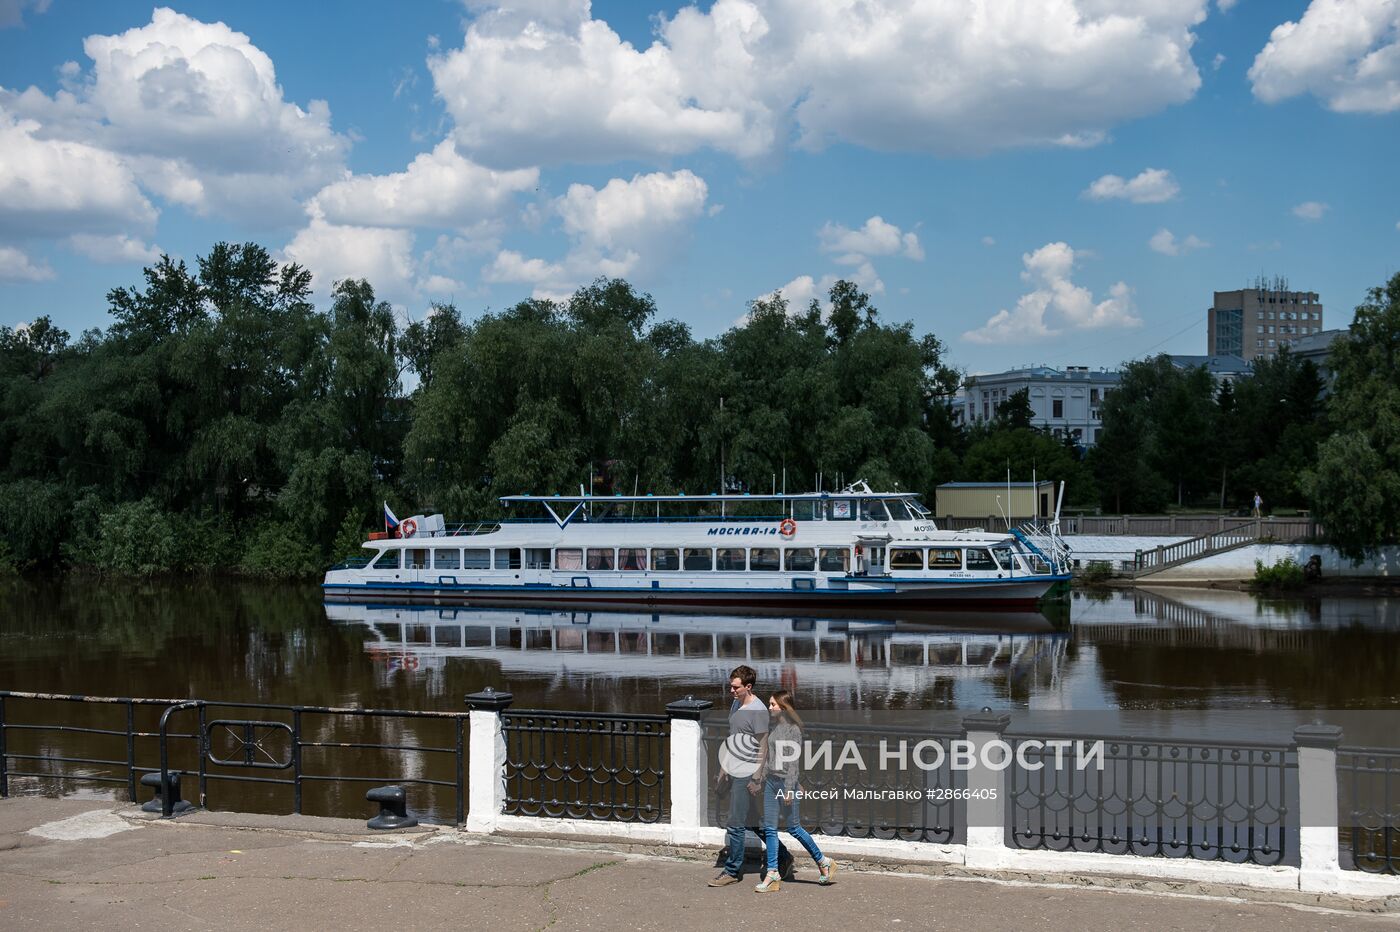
[(1208, 652)]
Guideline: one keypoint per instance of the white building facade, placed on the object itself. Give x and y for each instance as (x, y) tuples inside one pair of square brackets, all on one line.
[(1066, 402)]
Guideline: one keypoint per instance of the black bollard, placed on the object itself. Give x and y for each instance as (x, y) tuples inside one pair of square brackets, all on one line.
[(152, 780), (393, 808)]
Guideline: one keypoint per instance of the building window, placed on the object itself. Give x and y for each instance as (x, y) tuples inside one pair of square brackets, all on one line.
[(1093, 396), (1057, 407), (730, 559)]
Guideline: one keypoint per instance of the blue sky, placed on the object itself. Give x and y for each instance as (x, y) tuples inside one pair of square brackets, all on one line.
[(1042, 182)]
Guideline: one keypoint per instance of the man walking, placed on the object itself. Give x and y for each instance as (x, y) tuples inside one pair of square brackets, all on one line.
[(738, 764)]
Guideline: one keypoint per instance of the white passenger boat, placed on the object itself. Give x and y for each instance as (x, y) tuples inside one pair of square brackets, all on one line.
[(856, 548)]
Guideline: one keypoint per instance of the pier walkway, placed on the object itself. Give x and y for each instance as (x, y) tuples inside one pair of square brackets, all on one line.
[(73, 864)]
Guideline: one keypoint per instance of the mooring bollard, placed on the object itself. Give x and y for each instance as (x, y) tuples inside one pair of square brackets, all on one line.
[(393, 808), (154, 805)]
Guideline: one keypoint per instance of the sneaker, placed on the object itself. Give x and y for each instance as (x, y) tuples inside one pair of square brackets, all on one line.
[(786, 868), (723, 879), (827, 867), (771, 883)]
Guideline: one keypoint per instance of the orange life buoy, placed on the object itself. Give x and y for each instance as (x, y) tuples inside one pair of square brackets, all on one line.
[(408, 528), (410, 662), (788, 527)]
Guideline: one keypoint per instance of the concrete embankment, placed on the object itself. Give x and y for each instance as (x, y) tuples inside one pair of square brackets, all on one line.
[(74, 864), (1233, 565)]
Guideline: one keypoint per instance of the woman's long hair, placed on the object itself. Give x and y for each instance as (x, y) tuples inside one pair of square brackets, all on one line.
[(783, 698)]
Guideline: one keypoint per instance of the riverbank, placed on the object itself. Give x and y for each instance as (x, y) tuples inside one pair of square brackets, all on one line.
[(91, 865)]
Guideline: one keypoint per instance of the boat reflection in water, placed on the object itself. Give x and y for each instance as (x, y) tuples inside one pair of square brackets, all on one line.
[(859, 658)]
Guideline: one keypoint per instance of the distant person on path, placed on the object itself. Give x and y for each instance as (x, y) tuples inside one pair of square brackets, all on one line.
[(1258, 506), (738, 761), (780, 791)]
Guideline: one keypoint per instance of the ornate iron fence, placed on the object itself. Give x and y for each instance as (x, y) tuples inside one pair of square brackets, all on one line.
[(581, 765), (1167, 799), (275, 755), (908, 803), (1368, 783)]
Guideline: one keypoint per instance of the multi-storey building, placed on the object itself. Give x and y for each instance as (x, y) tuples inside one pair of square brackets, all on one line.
[(1260, 321), (1064, 401)]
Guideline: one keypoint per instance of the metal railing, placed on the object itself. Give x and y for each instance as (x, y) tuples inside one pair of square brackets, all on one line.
[(313, 750), (1368, 783), (1198, 800), (907, 804), (582, 765), (1280, 529)]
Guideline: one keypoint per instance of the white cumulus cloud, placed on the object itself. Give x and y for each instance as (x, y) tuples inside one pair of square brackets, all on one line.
[(1344, 52), (195, 111), (538, 83), (57, 186), (15, 266), (333, 252), (1150, 186), (1165, 242), (439, 188), (1055, 303), (615, 231), (875, 238), (1311, 210), (112, 249)]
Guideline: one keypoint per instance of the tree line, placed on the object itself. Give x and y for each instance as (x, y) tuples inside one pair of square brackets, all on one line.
[(223, 422)]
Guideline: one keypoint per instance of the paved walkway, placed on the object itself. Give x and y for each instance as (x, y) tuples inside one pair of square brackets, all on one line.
[(69, 864)]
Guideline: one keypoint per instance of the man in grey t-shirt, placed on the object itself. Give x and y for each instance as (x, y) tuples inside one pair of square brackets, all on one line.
[(738, 765)]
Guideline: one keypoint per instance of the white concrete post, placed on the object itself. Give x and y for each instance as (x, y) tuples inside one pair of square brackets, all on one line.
[(486, 759), (1320, 869), (986, 786), (689, 768)]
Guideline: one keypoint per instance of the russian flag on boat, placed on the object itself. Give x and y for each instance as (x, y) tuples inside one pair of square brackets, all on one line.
[(391, 523)]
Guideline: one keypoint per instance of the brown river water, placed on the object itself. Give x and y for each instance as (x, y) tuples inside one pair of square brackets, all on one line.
[(1201, 651)]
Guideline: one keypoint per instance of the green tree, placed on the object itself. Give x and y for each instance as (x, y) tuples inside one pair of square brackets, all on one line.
[(1355, 487)]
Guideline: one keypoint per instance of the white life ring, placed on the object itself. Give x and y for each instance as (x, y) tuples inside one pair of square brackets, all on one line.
[(408, 528)]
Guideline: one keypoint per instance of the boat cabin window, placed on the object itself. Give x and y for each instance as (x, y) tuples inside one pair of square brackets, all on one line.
[(600, 559), (476, 559), (835, 560), (800, 559), (941, 559), (388, 560), (631, 558), (446, 559), (729, 558), (699, 559), (1005, 557), (570, 558), (537, 558), (415, 559), (979, 559), (840, 510), (806, 510), (906, 558), (873, 510), (666, 560), (508, 558), (898, 511), (763, 560)]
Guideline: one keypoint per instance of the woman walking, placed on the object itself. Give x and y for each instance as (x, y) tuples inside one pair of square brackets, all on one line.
[(779, 783)]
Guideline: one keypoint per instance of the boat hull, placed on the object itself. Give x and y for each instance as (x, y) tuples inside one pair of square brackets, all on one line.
[(973, 594)]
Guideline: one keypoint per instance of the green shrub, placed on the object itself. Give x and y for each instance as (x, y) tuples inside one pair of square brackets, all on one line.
[(33, 516), (279, 550), (1096, 572), (140, 539), (1285, 574)]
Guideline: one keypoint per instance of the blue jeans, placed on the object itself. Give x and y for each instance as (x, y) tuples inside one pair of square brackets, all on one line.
[(739, 801), (775, 804)]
